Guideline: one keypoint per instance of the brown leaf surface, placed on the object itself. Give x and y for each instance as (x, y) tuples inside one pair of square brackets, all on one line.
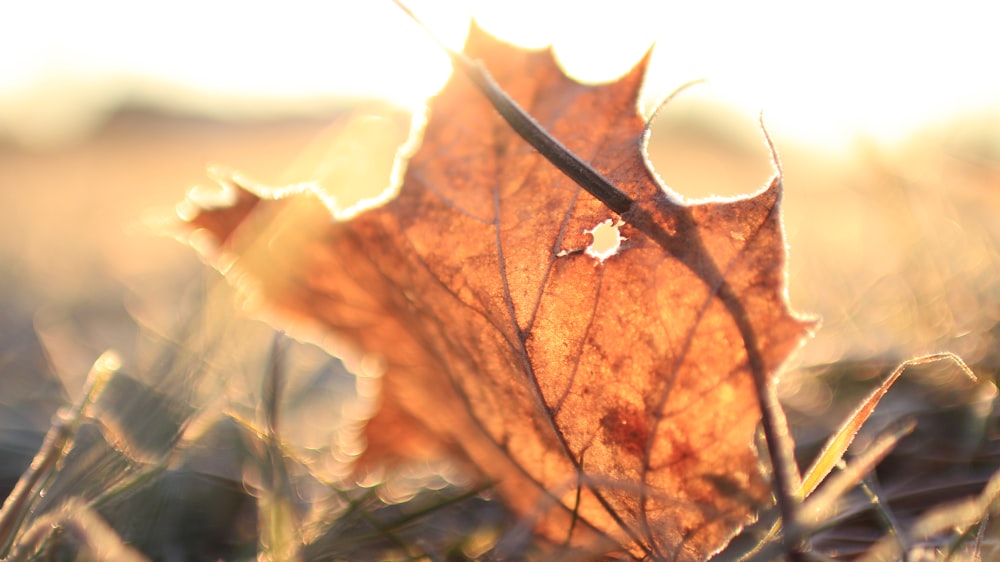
[(608, 400)]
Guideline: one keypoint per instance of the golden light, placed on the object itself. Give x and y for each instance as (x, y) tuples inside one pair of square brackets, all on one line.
[(820, 74)]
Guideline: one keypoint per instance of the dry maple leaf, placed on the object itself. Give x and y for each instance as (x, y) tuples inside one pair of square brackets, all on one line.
[(612, 400)]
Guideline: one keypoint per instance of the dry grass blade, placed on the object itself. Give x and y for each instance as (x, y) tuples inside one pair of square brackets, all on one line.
[(78, 523), (873, 491), (837, 445), (278, 518), (820, 506), (977, 555), (955, 519), (55, 446)]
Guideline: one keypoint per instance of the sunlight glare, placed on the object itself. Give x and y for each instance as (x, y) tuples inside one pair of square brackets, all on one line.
[(821, 75), (593, 44)]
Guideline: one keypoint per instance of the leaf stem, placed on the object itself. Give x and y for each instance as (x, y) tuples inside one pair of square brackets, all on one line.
[(529, 130), (553, 151)]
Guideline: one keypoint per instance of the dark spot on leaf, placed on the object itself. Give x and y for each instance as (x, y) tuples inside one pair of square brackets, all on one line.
[(627, 427)]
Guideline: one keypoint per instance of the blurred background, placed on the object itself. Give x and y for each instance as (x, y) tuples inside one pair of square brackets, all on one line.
[(886, 115)]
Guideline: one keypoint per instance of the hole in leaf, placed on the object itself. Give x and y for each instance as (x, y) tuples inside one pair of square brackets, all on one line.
[(607, 240)]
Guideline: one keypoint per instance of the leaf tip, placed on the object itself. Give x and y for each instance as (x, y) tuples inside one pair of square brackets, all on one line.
[(217, 210)]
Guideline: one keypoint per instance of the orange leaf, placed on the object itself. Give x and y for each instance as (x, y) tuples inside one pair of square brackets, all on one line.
[(611, 399)]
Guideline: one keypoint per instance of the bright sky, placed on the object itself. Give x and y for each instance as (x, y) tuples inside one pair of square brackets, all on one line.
[(823, 73)]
